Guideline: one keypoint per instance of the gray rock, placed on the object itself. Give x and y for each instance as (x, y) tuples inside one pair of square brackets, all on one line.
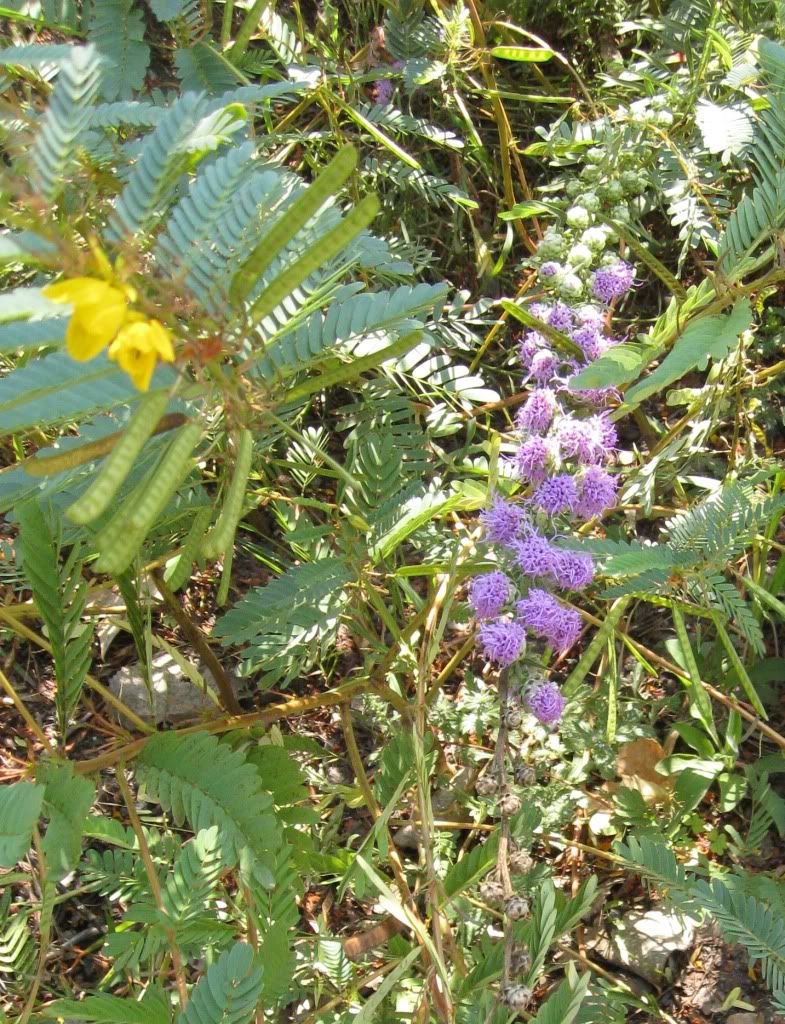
[(644, 942), (175, 695)]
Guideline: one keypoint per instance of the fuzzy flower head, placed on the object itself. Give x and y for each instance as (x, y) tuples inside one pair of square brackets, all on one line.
[(531, 459), (572, 570), (534, 555), (546, 702), (544, 615), (591, 340), (536, 413), (502, 640), (597, 493), (550, 269), (502, 521), (531, 342), (612, 282), (561, 317), (383, 91), (543, 365), (589, 441), (488, 594), (557, 494)]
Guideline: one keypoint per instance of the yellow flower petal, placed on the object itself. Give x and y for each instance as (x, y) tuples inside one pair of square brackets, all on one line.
[(99, 313), (136, 350), (162, 341)]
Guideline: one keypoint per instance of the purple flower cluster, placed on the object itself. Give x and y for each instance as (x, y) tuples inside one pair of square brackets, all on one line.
[(562, 461), (546, 702), (612, 282)]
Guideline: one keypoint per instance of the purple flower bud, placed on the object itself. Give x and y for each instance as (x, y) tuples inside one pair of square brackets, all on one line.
[(597, 493), (488, 594), (612, 282), (557, 494), (589, 440), (502, 641), (502, 521), (572, 570), (550, 269), (536, 413), (548, 618), (546, 702), (531, 459)]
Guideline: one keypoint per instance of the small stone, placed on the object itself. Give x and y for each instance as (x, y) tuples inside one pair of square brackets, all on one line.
[(509, 804), (521, 862), (516, 908), (644, 942), (516, 997), (175, 695)]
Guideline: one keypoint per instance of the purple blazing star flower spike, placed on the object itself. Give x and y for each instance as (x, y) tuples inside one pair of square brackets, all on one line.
[(502, 641), (531, 459), (606, 433), (557, 494), (561, 317), (488, 594), (548, 618), (573, 570), (502, 521), (612, 282), (597, 493), (534, 555), (536, 413), (544, 365), (546, 702)]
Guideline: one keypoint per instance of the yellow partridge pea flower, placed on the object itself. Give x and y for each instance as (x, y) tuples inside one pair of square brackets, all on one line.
[(100, 310), (138, 347), (101, 317)]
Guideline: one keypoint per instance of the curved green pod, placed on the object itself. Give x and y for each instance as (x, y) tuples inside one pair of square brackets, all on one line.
[(123, 534), (99, 494), (293, 218), (222, 534)]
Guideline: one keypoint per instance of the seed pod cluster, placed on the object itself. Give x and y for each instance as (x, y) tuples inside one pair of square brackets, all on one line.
[(513, 716), (509, 804), (491, 891), (520, 960), (524, 774), (517, 908), (521, 862), (487, 785), (516, 997)]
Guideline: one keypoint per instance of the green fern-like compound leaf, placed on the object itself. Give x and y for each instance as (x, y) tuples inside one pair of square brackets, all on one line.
[(228, 992), (117, 30), (65, 120), (206, 783)]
